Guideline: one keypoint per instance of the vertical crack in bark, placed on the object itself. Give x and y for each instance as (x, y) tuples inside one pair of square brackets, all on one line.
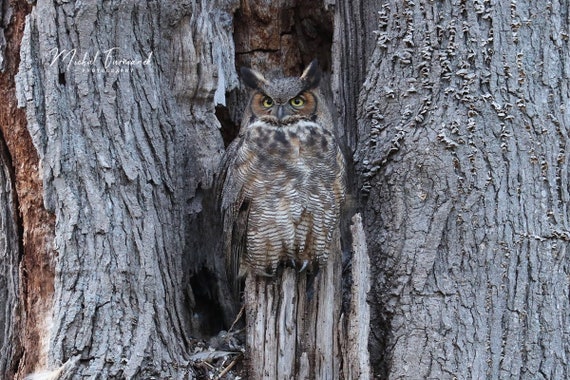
[(280, 36), (37, 225)]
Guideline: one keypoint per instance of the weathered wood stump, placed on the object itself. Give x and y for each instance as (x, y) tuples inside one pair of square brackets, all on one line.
[(296, 328)]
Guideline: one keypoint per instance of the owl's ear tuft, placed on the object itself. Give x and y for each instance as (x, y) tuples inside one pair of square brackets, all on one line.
[(312, 75), (252, 78)]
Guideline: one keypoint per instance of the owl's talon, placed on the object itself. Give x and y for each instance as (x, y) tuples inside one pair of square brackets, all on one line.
[(305, 263)]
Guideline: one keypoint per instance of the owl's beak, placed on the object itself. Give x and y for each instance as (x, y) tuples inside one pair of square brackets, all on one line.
[(280, 112)]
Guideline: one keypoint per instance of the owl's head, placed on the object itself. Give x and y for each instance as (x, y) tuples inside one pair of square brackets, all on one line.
[(282, 98)]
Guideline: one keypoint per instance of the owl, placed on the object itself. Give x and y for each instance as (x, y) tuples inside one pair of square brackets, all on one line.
[(283, 178)]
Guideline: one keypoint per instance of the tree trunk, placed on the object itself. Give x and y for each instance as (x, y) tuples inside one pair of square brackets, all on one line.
[(464, 129), (293, 323), (119, 104)]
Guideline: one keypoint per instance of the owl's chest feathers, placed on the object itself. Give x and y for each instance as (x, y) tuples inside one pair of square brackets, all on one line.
[(289, 165), (301, 142)]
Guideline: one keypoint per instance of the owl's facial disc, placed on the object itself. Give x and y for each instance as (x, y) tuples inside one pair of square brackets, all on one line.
[(282, 106)]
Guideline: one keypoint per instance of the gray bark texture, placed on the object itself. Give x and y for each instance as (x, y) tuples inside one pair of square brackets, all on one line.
[(119, 98), (292, 335), (462, 150), (10, 252)]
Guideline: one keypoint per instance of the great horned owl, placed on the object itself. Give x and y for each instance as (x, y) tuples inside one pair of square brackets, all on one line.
[(282, 178)]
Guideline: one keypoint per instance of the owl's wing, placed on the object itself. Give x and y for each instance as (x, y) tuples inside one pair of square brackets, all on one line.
[(326, 201), (235, 211)]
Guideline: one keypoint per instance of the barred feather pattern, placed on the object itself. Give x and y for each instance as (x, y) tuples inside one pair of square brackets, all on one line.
[(282, 193)]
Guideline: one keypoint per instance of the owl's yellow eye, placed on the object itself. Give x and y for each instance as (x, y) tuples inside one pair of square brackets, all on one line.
[(267, 102), (297, 102)]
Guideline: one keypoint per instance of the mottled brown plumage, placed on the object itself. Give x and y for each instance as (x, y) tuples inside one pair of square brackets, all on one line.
[(282, 178)]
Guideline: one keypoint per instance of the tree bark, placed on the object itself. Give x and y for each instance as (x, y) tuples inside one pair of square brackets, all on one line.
[(356, 358), (463, 156), (296, 326), (32, 257), (10, 254), (119, 104), (293, 324)]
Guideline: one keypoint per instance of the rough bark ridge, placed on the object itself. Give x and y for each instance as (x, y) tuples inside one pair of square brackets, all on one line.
[(356, 358), (353, 42), (466, 167), (9, 262), (121, 115)]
